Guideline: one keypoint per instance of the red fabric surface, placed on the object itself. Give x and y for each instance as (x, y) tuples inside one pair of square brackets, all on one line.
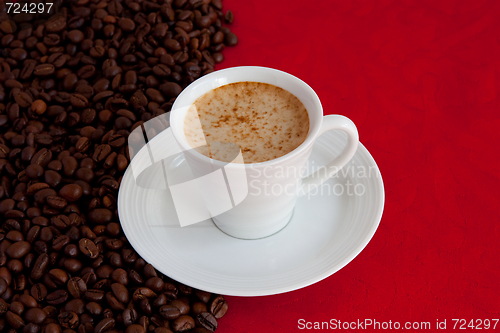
[(420, 79)]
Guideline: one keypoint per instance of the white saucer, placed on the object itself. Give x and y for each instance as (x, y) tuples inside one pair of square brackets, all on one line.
[(326, 232)]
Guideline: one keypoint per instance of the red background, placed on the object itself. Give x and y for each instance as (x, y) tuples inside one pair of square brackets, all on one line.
[(420, 79)]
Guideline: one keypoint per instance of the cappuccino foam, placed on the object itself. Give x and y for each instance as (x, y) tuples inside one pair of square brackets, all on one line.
[(264, 121)]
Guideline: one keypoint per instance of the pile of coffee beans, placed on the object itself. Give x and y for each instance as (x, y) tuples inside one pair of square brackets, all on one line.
[(73, 85)]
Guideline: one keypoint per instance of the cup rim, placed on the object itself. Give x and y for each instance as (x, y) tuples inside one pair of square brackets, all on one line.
[(179, 136)]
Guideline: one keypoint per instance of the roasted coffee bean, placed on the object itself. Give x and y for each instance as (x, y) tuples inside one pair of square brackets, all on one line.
[(101, 152), (56, 202), (198, 307), (52, 178), (70, 165), (23, 99), (114, 303), (35, 316), (14, 320), (88, 248), (218, 307), (135, 328), (143, 292), (78, 101), (104, 325), (76, 287), (28, 301), (120, 292), (229, 17), (59, 242), (38, 291), (94, 308), (170, 312), (182, 306), (94, 295), (57, 297), (206, 320), (44, 70), (203, 295), (170, 89), (183, 324), (58, 276), (42, 157), (17, 308), (71, 192), (231, 39), (18, 249), (100, 216), (39, 266), (68, 320)]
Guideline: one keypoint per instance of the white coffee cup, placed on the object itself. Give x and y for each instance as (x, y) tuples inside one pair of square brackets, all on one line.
[(262, 212)]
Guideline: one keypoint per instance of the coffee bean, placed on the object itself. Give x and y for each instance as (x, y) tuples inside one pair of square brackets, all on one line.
[(59, 242), (94, 295), (52, 178), (105, 325), (207, 321), (135, 328), (218, 307), (18, 249), (35, 316), (203, 295), (229, 17), (231, 39), (75, 36), (56, 202), (218, 57), (120, 292), (77, 287), (28, 301), (170, 312), (38, 291), (126, 24), (71, 192), (68, 320), (44, 70), (41, 195), (55, 24), (78, 101), (183, 324), (141, 293), (14, 320), (101, 152), (88, 248), (23, 99), (100, 216), (182, 306), (40, 266), (198, 307), (70, 165), (58, 276), (171, 89), (57, 297), (42, 157)]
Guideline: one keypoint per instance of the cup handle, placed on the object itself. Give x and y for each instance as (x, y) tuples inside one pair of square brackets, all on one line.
[(333, 122)]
